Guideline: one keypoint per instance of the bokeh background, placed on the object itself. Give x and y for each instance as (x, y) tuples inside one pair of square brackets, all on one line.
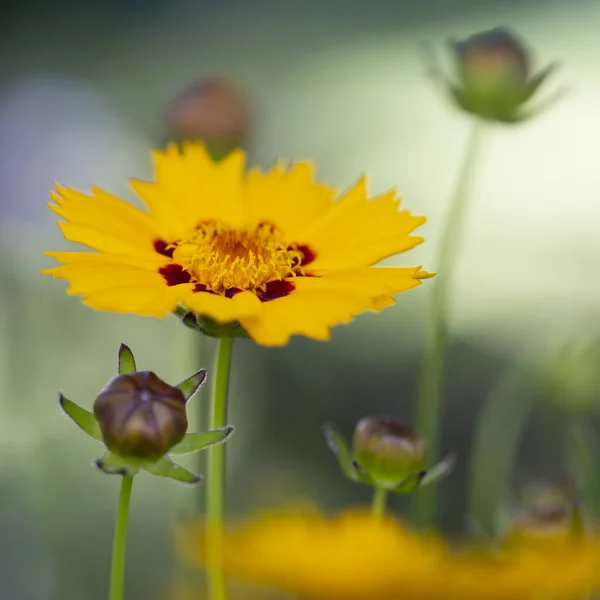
[(84, 89)]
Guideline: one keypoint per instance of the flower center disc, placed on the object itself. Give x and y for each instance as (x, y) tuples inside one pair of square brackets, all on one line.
[(223, 259)]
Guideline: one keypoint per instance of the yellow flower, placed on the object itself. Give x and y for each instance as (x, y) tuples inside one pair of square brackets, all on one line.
[(273, 251), (355, 557)]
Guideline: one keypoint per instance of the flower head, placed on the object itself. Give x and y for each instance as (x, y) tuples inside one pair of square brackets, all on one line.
[(272, 251), (494, 78), (355, 557)]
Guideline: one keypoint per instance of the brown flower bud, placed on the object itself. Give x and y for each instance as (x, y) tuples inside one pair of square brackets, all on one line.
[(495, 78), (212, 110), (140, 415)]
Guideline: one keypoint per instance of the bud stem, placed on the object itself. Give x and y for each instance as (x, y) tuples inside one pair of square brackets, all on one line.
[(215, 482), (429, 405), (379, 500), (117, 570)]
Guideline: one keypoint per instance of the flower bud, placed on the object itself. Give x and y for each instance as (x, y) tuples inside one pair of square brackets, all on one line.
[(140, 416), (212, 110), (494, 75), (388, 450), (545, 517)]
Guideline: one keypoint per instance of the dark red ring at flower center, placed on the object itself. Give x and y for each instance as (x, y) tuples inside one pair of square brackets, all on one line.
[(174, 274), (162, 248)]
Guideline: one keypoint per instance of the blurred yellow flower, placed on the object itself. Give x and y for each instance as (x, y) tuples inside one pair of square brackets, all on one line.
[(354, 557), (273, 251)]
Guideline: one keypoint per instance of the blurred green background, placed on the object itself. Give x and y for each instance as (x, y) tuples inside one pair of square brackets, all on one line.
[(84, 91)]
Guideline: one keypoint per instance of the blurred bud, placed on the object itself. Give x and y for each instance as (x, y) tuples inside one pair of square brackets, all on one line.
[(388, 450), (571, 381), (547, 515), (213, 111), (494, 75), (140, 416)]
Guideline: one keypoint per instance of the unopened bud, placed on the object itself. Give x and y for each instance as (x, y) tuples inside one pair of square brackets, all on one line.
[(140, 416), (547, 516), (494, 75), (388, 449), (213, 111)]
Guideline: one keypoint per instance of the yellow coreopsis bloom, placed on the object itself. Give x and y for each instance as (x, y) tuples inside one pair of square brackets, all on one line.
[(273, 251), (356, 557)]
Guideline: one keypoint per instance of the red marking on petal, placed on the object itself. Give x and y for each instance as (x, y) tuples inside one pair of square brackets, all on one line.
[(161, 247), (276, 289), (307, 255), (174, 274), (231, 292), (199, 287)]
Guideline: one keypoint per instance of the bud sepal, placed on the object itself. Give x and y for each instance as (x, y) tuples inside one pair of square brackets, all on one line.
[(142, 422), (210, 327), (386, 453)]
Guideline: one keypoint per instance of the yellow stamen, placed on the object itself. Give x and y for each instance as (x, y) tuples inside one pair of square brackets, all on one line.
[(222, 258)]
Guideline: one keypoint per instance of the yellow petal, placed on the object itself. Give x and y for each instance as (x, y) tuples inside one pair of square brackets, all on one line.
[(190, 187), (220, 308), (149, 301), (288, 199), (318, 303), (358, 232), (104, 222)]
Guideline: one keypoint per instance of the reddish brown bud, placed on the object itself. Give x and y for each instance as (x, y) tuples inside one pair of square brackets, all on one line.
[(140, 415)]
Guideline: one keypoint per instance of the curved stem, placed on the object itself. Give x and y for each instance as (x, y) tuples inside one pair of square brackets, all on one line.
[(379, 500), (117, 570), (216, 475), (429, 407)]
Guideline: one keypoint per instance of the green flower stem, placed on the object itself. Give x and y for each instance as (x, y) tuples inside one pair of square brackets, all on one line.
[(117, 570), (379, 500), (429, 407), (580, 448), (215, 483)]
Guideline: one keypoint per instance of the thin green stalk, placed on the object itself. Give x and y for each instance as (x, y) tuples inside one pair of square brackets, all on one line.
[(379, 500), (117, 570), (215, 483), (429, 406)]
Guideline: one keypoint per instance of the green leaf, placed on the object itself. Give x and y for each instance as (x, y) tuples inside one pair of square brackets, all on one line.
[(84, 419), (193, 442), (165, 467), (112, 464), (338, 446), (439, 471), (188, 387), (500, 425), (126, 360)]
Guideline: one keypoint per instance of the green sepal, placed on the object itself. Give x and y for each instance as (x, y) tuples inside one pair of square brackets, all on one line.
[(84, 419), (439, 471), (212, 328), (113, 464), (126, 364), (165, 467), (193, 442), (188, 387), (339, 447), (362, 474), (410, 484)]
